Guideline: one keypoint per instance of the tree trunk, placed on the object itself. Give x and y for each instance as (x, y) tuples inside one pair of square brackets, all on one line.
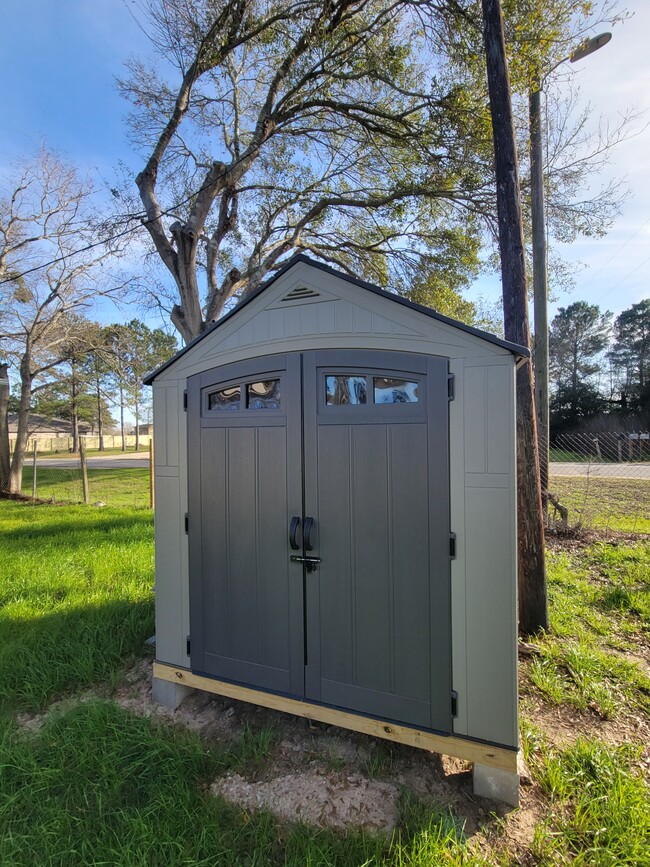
[(74, 415), (20, 447), (4, 428), (533, 607), (100, 418), (122, 417), (137, 421)]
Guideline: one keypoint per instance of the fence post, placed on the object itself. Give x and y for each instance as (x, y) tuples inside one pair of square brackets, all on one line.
[(34, 470), (152, 481), (84, 470)]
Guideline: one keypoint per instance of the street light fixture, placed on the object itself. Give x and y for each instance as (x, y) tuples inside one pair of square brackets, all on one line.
[(540, 275)]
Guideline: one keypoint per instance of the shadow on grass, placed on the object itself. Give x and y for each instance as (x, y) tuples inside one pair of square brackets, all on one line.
[(76, 528), (45, 656)]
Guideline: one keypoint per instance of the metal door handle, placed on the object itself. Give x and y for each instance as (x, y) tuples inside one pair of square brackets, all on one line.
[(306, 534), (293, 529)]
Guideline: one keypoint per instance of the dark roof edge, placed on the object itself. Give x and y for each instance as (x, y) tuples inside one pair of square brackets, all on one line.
[(516, 349)]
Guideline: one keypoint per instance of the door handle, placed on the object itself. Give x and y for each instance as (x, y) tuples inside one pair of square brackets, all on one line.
[(293, 529), (306, 534)]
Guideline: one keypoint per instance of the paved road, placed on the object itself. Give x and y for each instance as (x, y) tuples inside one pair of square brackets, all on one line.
[(602, 471), (128, 460)]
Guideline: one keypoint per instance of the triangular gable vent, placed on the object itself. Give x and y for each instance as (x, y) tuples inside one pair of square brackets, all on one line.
[(300, 293)]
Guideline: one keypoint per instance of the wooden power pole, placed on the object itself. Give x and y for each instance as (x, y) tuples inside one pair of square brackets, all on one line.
[(533, 605)]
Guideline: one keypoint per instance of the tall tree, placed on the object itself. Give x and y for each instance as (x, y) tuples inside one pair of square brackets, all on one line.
[(533, 603), (630, 354), (45, 213), (312, 125), (98, 371), (136, 350), (579, 335)]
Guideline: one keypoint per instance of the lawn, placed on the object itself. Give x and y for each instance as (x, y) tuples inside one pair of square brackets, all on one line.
[(617, 505), (113, 487), (90, 782)]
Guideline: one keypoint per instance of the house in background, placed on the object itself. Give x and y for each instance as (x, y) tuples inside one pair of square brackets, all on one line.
[(144, 430), (41, 428)]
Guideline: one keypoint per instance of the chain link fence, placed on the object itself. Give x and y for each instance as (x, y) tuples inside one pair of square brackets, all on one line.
[(602, 480), (64, 444)]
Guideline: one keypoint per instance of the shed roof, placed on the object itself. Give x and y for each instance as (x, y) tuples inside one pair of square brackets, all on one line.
[(516, 349)]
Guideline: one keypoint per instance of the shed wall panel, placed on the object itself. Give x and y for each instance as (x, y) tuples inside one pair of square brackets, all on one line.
[(491, 646), (490, 552), (169, 583)]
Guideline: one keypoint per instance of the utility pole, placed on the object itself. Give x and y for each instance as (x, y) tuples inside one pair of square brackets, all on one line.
[(533, 605), (540, 282), (540, 269)]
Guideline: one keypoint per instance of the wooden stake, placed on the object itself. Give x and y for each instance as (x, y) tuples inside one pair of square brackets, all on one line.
[(34, 470), (84, 469), (152, 481)]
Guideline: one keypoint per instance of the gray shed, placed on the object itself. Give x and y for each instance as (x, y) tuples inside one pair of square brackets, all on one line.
[(336, 518)]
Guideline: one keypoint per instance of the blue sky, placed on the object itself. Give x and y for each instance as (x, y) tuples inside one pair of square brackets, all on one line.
[(59, 59)]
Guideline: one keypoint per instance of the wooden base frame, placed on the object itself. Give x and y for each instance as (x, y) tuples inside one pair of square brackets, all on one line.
[(472, 751)]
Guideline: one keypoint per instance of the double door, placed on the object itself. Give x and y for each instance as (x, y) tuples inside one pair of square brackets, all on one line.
[(319, 530)]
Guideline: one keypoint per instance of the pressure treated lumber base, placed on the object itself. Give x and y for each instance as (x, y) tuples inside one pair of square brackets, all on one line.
[(484, 755)]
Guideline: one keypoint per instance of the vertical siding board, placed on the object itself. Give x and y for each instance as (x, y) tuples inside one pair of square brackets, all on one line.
[(491, 642), (370, 566), (169, 640), (335, 529), (499, 422), (475, 420), (160, 423), (271, 541), (244, 616), (309, 318), (326, 317), (214, 534), (409, 505)]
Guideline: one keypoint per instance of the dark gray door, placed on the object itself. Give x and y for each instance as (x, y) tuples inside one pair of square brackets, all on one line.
[(245, 485), (377, 486), (350, 451)]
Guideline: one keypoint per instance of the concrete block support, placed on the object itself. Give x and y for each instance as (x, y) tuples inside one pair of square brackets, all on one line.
[(496, 784), (169, 694)]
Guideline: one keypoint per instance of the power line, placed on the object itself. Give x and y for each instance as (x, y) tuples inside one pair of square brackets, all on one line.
[(622, 247), (627, 276)]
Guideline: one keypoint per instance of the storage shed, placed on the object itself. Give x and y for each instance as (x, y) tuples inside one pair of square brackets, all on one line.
[(336, 517)]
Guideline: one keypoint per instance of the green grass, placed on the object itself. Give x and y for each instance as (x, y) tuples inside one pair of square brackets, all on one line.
[(600, 608), (599, 807), (98, 786), (75, 597), (621, 505), (115, 487)]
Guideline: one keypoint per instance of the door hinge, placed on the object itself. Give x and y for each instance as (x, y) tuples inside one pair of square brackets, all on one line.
[(451, 386), (454, 703), (452, 546), (185, 400), (187, 522), (188, 645)]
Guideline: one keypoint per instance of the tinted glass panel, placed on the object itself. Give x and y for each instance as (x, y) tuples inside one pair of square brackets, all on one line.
[(341, 390), (263, 395), (225, 398), (395, 390)]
